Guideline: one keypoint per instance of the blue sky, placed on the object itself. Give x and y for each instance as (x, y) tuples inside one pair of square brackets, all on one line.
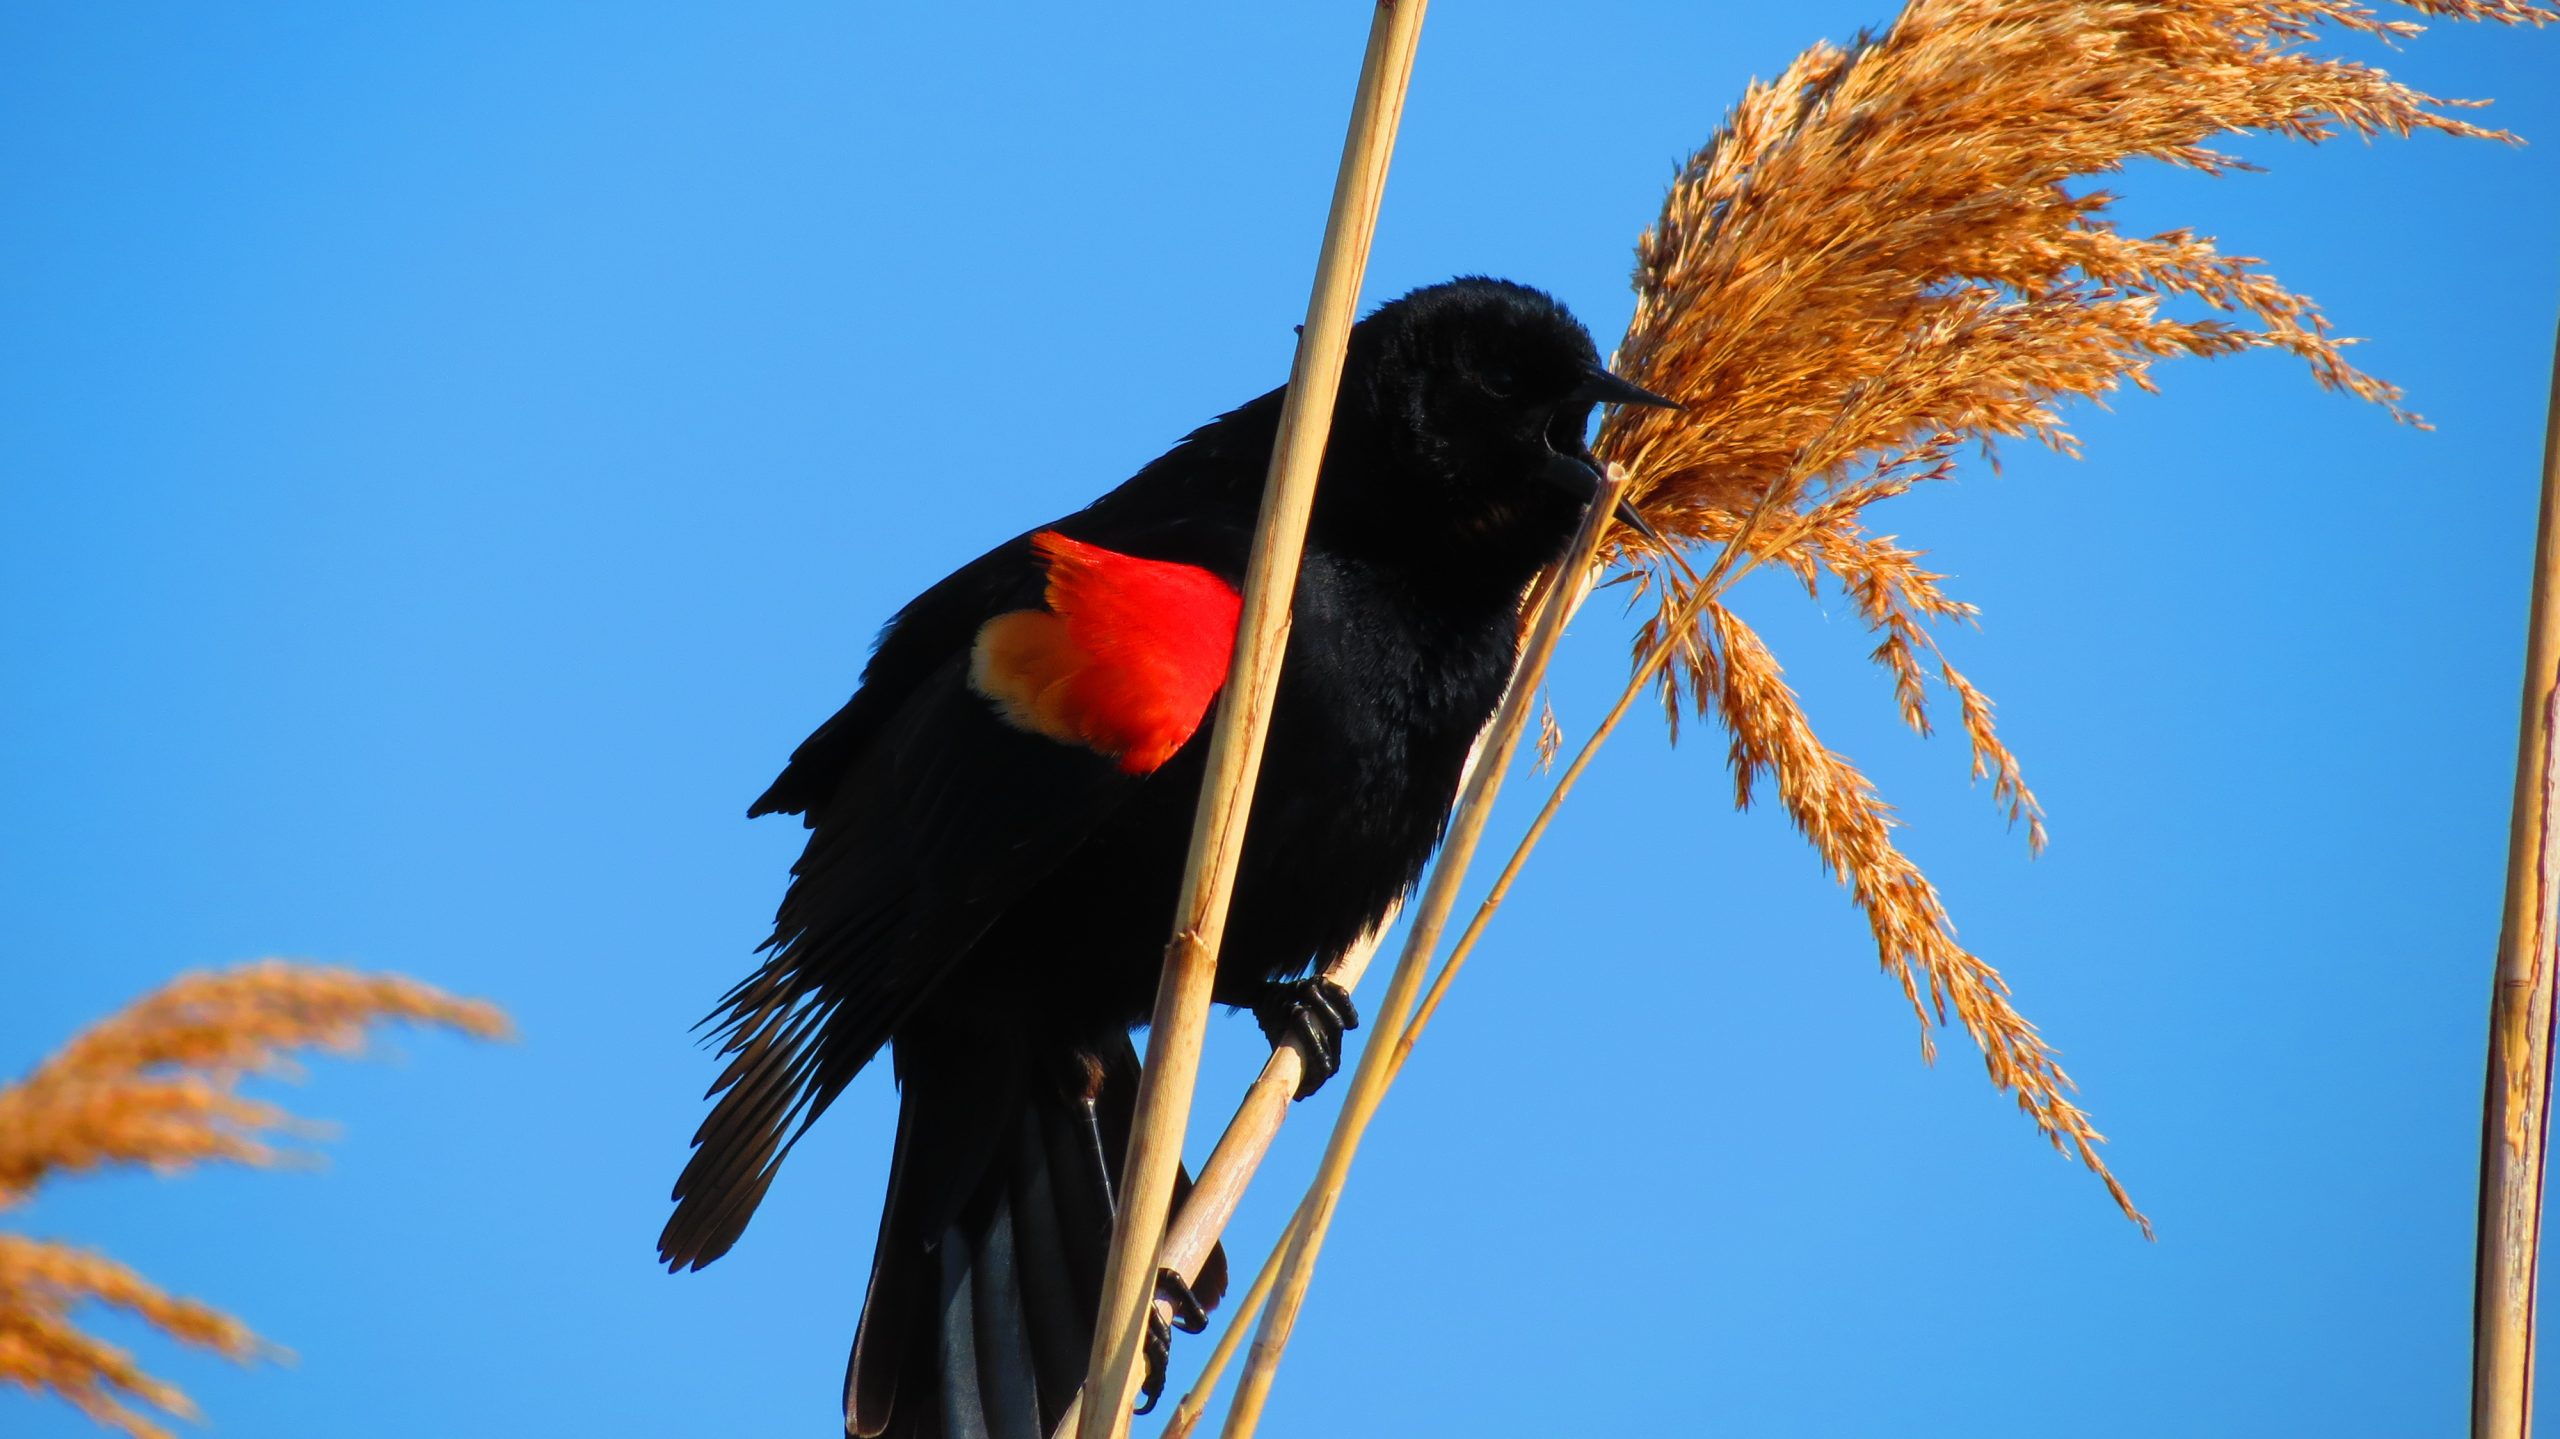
[(449, 454)]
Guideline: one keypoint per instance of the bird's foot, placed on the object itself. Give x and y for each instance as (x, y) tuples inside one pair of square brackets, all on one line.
[(1312, 1016), (1189, 1315)]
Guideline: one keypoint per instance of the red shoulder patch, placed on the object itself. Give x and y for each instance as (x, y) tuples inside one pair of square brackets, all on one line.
[(1124, 660)]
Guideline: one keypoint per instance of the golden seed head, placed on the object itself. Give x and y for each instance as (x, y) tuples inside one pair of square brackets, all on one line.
[(1884, 258)]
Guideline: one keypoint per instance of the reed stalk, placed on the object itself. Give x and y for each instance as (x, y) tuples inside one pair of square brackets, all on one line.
[(1439, 897), (2515, 1113), (1186, 1414), (1887, 257), (1235, 751), (1211, 1203), (1247, 1138)]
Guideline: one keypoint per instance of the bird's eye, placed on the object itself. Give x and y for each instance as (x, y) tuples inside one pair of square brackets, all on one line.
[(1499, 382)]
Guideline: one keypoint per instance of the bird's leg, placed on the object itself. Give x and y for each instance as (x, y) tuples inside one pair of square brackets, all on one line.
[(1100, 1154), (1310, 1015), (1189, 1314)]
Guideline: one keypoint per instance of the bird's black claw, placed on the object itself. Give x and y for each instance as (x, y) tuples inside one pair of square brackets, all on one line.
[(1189, 1314), (1159, 1352), (1311, 1015)]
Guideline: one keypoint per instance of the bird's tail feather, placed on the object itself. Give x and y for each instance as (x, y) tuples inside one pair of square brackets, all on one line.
[(992, 1243)]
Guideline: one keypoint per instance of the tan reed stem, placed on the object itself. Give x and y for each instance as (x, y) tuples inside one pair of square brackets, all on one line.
[(1242, 1146), (1235, 748), (1186, 1415), (1369, 1083), (1721, 576), (1248, 1136), (1707, 590), (1211, 1204), (2515, 1113)]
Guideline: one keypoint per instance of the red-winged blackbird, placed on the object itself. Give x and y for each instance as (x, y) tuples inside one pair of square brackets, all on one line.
[(999, 816)]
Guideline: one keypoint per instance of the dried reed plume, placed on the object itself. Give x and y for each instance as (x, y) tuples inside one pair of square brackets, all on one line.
[(1881, 260), (156, 1085)]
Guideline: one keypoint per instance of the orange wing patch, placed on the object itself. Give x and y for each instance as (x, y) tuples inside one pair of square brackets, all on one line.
[(1125, 659)]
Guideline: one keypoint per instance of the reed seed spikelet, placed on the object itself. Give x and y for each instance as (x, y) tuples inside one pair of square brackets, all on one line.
[(1888, 256), (154, 1085)]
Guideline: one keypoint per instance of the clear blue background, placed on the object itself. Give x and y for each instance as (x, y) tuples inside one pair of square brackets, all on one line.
[(453, 452)]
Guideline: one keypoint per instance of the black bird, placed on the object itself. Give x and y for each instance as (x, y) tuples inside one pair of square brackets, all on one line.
[(998, 819)]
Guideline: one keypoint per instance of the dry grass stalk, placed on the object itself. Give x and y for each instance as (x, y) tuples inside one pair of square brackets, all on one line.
[(1201, 1219), (1171, 1066), (1258, 1118), (1246, 1141), (1195, 1401), (2516, 1108), (1243, 1144), (1882, 261), (155, 1085), (1380, 1057), (1875, 265)]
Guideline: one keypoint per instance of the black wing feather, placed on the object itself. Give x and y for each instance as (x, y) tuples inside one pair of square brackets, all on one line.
[(929, 816), (939, 823), (914, 646)]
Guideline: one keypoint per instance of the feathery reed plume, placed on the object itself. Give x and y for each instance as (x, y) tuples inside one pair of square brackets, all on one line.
[(156, 1085), (1881, 260), (1877, 262)]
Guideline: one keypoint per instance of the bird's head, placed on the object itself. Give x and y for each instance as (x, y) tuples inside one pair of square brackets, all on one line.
[(1481, 391)]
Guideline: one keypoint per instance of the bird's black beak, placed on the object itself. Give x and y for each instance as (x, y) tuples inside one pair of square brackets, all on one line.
[(1577, 477), (1600, 387)]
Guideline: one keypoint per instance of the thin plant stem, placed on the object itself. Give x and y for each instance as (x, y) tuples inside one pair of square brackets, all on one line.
[(1503, 734), (1719, 578), (1305, 1232), (1369, 1084), (2515, 1112), (1186, 1415), (1247, 1138), (1235, 750)]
